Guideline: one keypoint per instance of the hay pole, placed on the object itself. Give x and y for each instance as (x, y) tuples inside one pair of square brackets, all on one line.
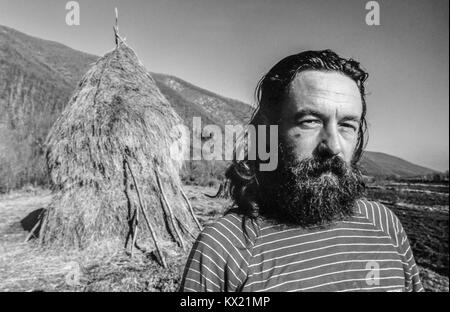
[(32, 232), (185, 229), (34, 228), (190, 208), (116, 29), (158, 251), (44, 221), (171, 217), (135, 231)]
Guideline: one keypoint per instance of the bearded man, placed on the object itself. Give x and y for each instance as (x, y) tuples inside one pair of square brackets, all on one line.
[(306, 225)]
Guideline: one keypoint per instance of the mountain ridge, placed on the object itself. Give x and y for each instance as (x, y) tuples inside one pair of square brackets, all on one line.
[(38, 76), (392, 166)]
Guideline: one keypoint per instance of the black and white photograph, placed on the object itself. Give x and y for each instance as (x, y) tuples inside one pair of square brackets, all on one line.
[(252, 146)]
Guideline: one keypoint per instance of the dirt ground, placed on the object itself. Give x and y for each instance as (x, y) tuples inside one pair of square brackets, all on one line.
[(107, 267), (423, 210)]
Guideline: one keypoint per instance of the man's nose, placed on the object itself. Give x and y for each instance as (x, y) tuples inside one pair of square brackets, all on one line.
[(330, 138)]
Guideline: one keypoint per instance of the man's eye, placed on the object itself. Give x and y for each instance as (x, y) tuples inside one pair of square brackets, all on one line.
[(348, 126), (309, 123)]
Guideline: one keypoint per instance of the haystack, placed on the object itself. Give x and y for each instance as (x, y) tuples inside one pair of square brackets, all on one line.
[(109, 161)]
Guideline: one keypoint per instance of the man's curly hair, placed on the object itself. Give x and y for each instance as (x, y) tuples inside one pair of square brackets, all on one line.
[(242, 175)]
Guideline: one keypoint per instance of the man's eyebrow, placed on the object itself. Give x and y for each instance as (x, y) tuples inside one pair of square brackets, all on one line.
[(308, 112), (311, 112), (351, 118)]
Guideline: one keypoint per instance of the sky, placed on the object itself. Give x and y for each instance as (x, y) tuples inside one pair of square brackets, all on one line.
[(225, 46)]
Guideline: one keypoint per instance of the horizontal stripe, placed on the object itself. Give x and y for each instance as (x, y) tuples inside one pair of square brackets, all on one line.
[(372, 288), (315, 258), (321, 275), (210, 271), (315, 233), (229, 253), (204, 277), (343, 281), (316, 249), (214, 260), (256, 255), (315, 241)]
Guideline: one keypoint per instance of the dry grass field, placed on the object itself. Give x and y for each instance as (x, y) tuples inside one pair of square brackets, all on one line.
[(106, 267), (25, 267)]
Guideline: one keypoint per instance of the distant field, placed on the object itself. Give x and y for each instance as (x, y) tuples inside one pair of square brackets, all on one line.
[(420, 194), (431, 187), (424, 212)]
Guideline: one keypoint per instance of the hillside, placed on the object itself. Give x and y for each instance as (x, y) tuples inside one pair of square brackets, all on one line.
[(36, 79), (38, 76), (383, 165), (217, 109)]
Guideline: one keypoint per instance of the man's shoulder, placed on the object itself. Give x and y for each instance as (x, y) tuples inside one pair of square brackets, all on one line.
[(233, 228), (379, 215)]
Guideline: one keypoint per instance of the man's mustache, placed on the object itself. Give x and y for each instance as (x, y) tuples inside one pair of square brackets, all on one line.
[(315, 167)]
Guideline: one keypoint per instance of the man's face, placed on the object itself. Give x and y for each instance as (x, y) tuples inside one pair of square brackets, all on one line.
[(315, 182), (322, 111)]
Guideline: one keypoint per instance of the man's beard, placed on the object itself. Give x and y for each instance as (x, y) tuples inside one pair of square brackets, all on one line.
[(310, 192)]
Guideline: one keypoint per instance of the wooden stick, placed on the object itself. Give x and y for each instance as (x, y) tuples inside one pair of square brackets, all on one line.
[(158, 251), (116, 27), (117, 37), (180, 238), (185, 229), (44, 221), (190, 209), (131, 215), (135, 231), (117, 18), (33, 229)]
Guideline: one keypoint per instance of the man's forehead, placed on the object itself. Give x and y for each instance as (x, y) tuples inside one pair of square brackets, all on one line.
[(320, 88), (314, 82)]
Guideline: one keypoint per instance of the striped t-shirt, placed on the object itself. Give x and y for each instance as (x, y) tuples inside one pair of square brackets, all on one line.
[(367, 252)]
